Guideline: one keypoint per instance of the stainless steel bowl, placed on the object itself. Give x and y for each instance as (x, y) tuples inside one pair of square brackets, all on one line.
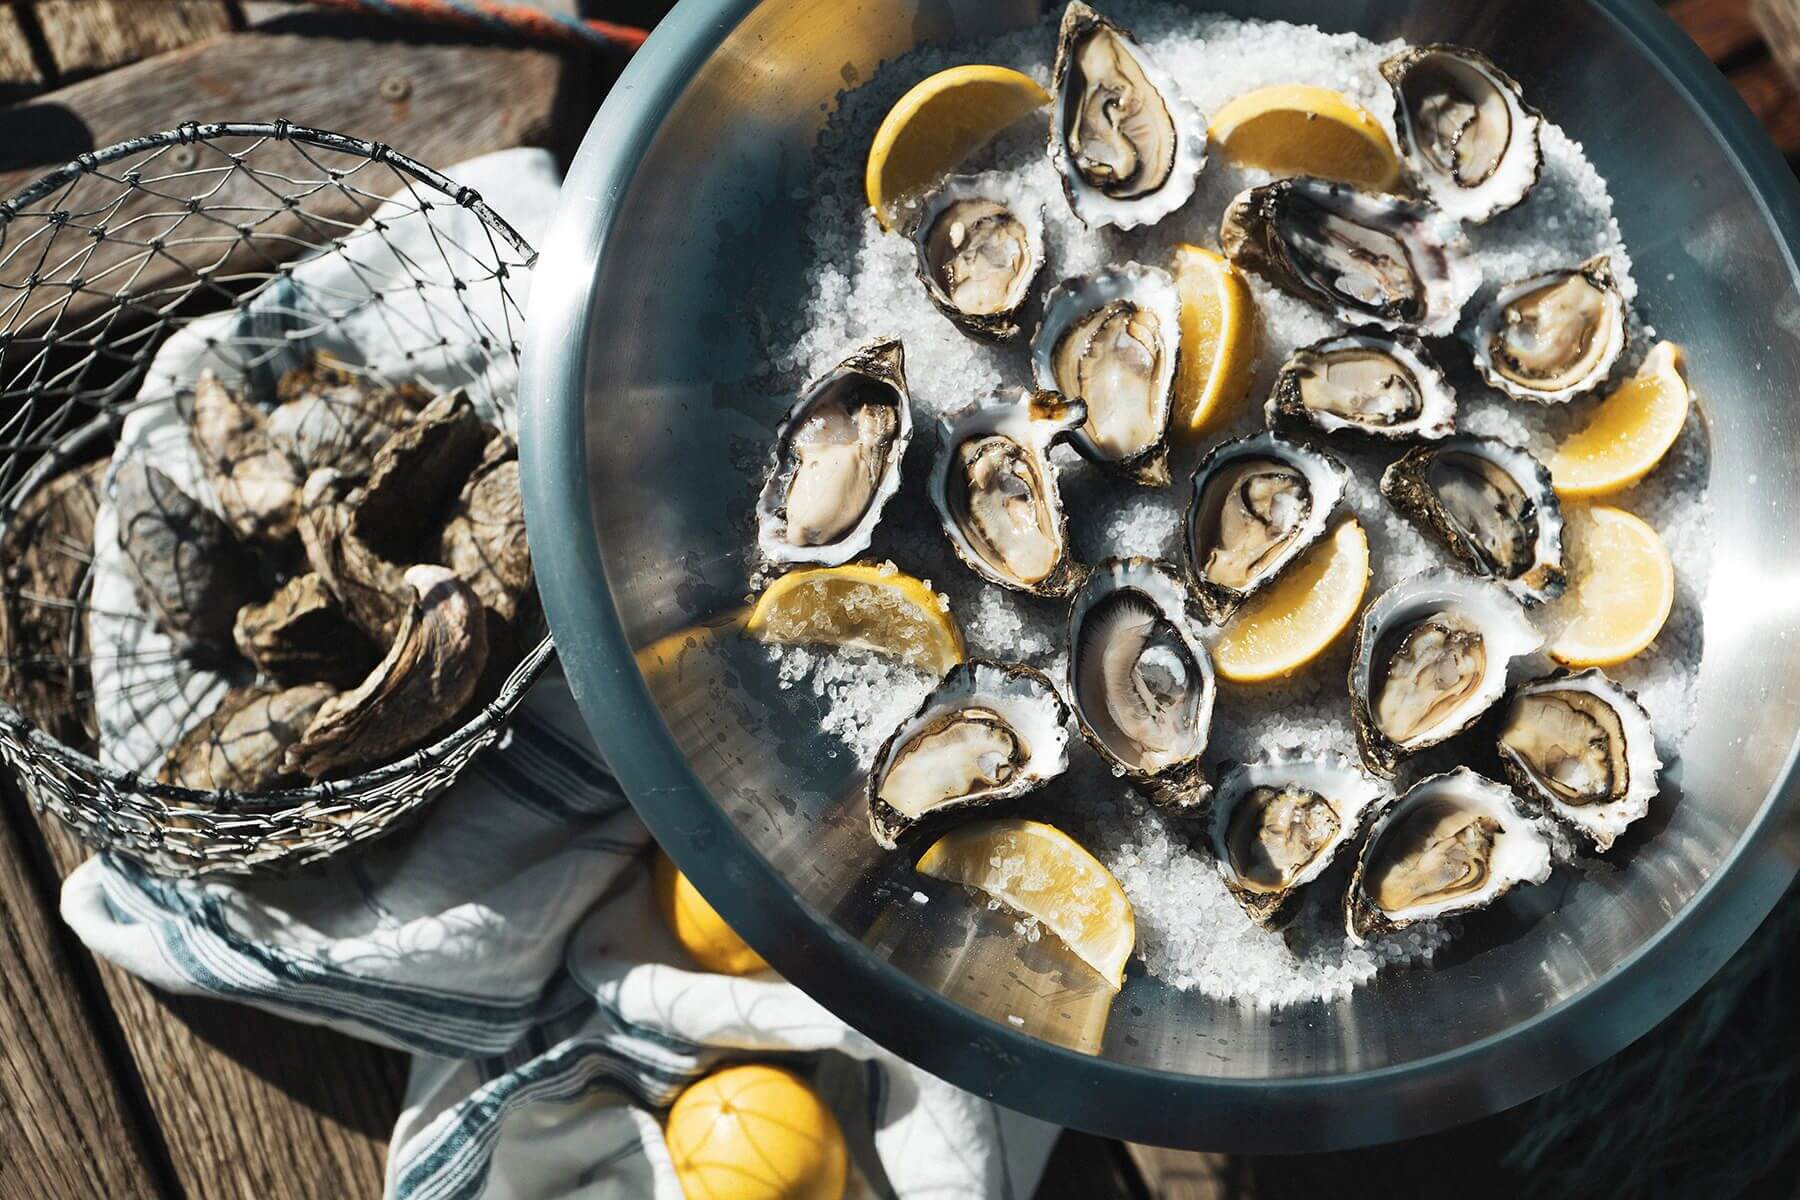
[(639, 402)]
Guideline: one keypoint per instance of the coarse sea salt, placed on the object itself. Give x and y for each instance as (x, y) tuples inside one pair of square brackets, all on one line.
[(1191, 933)]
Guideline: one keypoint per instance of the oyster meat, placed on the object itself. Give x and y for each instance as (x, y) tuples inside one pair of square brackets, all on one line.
[(1451, 843), (988, 732), (1113, 341), (1140, 679), (1581, 747), (995, 491), (836, 460), (979, 249), (1491, 505), (1274, 826), (1258, 503), (1364, 256), (1367, 381), (1430, 656), (1553, 336), (1126, 143), (1467, 137)]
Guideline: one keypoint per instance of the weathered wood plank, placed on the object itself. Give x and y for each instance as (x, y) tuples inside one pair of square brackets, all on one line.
[(1771, 95), (1721, 28), (17, 66), (1183, 1174), (67, 1126), (97, 35)]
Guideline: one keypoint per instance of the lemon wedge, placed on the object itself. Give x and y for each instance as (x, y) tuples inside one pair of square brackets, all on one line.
[(1044, 873), (1297, 129), (937, 124), (667, 654), (1294, 619), (1628, 432), (861, 607), (1621, 593), (697, 925), (756, 1133), (1218, 339)]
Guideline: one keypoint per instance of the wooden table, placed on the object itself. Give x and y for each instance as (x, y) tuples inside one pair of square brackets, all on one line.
[(109, 1088)]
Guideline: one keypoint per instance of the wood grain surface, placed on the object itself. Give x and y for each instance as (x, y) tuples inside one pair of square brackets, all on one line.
[(17, 65), (92, 35)]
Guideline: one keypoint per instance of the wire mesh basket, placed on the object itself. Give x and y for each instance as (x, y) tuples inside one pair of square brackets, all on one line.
[(102, 262)]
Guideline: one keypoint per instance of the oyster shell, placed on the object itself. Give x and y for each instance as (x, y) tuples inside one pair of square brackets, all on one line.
[(257, 484), (1491, 505), (836, 460), (1125, 141), (1274, 826), (239, 747), (1367, 381), (1430, 656), (995, 491), (980, 249), (1363, 256), (1258, 503), (329, 416), (1581, 747), (1553, 336), (1140, 679), (302, 635), (371, 589), (988, 732), (1467, 137), (1451, 843), (1113, 341), (417, 475), (484, 540)]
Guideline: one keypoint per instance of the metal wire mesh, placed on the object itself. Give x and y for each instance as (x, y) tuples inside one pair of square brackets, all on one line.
[(102, 261)]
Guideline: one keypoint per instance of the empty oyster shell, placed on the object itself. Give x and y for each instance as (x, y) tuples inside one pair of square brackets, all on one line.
[(1125, 141), (995, 491), (1274, 826), (189, 570), (1140, 679), (302, 635), (980, 248), (1452, 843), (1258, 503), (1581, 746), (257, 484), (1469, 140), (329, 416), (836, 460), (1553, 336), (484, 540), (1430, 656), (1364, 256), (988, 732), (1491, 505), (421, 685), (1113, 341), (1366, 381), (240, 746), (372, 590)]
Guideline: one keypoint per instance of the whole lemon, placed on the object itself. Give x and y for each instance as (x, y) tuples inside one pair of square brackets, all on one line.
[(701, 931), (756, 1133)]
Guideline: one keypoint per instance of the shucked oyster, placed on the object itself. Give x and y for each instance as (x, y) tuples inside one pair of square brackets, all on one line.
[(1113, 341), (1581, 747), (980, 248), (1554, 336), (1366, 381), (1469, 140), (1274, 827), (1126, 143), (994, 488), (988, 732), (837, 460), (1140, 679), (1491, 505), (1430, 656), (1451, 844), (1258, 503), (1363, 256)]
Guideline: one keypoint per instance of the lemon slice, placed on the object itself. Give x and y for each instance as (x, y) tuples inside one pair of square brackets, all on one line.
[(697, 925), (1042, 872), (756, 1133), (861, 607), (667, 654), (1296, 129), (937, 124), (1218, 339), (1294, 619), (1628, 432), (1619, 598)]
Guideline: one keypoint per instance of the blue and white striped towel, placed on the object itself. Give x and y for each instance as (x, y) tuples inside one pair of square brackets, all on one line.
[(509, 943)]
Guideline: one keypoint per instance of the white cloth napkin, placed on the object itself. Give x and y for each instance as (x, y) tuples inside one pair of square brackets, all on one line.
[(508, 942)]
